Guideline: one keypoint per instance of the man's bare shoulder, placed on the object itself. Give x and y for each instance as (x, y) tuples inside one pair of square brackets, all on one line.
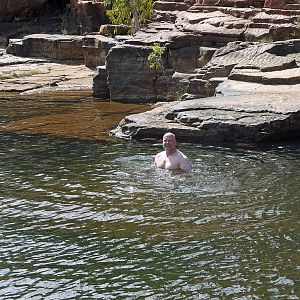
[(179, 153), (184, 162), (160, 154)]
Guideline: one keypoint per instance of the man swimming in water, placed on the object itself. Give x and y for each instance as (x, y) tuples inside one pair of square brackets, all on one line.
[(172, 158)]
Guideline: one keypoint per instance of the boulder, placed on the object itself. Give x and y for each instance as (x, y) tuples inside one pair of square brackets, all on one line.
[(112, 30), (100, 87), (130, 78)]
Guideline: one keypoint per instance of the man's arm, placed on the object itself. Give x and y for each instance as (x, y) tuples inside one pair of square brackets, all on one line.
[(185, 164), (159, 160)]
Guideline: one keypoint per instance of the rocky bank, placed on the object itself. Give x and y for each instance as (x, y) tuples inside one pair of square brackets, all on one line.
[(231, 69)]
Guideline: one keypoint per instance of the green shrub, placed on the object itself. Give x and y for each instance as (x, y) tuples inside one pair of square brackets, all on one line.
[(155, 58), (132, 13)]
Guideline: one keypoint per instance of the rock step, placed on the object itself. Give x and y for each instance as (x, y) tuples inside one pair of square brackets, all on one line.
[(266, 70), (236, 12), (260, 25), (232, 3), (286, 12), (92, 49), (292, 1), (200, 87), (292, 7), (95, 49), (166, 16), (263, 17), (244, 12), (170, 6), (286, 77)]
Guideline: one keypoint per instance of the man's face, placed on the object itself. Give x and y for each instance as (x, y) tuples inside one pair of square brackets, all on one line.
[(169, 142)]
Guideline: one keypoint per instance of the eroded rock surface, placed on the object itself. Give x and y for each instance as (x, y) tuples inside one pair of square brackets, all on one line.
[(211, 47), (258, 100), (227, 119), (190, 31), (54, 46), (30, 75)]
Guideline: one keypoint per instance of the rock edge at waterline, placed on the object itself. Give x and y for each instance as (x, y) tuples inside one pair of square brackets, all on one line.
[(257, 99), (225, 119)]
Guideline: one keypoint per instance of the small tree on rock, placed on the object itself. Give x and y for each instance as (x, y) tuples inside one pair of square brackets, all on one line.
[(155, 58), (132, 13)]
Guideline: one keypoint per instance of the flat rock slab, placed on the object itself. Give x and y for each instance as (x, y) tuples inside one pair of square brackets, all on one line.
[(213, 23), (288, 76), (236, 88), (265, 57), (7, 59), (34, 76), (239, 118)]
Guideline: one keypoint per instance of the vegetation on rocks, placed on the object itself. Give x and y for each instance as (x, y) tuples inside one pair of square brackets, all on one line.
[(155, 58), (132, 13), (11, 75), (266, 39)]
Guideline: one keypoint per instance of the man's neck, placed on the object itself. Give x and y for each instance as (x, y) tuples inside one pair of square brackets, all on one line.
[(171, 152)]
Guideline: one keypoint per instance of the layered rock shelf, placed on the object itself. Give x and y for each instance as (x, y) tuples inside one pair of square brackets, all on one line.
[(231, 69), (258, 101), (242, 118)]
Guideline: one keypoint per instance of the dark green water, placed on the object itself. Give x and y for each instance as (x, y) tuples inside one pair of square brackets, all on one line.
[(92, 219)]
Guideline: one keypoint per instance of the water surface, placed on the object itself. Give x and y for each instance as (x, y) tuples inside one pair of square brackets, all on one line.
[(87, 217)]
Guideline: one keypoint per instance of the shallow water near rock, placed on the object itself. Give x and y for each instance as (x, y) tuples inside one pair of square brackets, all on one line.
[(84, 216)]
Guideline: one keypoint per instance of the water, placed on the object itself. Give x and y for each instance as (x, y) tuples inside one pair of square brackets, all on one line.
[(84, 216)]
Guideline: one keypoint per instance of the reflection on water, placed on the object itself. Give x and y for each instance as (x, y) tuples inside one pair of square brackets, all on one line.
[(68, 115), (83, 219)]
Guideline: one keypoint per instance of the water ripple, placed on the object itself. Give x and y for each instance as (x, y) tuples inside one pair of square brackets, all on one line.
[(89, 220)]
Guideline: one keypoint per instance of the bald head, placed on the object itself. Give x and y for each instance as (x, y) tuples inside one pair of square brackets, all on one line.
[(170, 135), (169, 142)]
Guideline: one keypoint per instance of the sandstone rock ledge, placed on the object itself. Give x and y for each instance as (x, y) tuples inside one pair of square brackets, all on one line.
[(35, 75), (237, 118), (258, 100)]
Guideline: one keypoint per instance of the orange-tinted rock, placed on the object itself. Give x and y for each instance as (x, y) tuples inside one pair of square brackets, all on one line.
[(89, 15), (171, 5), (275, 3), (111, 30)]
